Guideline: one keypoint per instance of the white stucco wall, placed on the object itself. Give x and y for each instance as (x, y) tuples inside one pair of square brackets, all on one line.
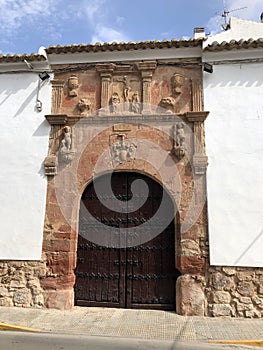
[(239, 29), (234, 96), (23, 148)]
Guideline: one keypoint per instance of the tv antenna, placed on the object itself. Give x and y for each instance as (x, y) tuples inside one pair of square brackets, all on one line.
[(225, 15)]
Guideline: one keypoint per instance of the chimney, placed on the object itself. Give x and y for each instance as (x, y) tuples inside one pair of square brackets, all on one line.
[(199, 32)]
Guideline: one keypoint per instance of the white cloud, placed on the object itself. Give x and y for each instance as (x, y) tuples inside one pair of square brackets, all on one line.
[(107, 34), (15, 12), (97, 14), (236, 8), (93, 9)]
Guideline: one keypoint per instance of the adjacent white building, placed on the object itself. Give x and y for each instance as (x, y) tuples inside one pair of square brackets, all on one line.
[(23, 147), (233, 95)]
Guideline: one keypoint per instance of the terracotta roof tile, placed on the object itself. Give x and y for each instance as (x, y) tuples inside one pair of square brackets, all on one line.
[(122, 46), (235, 45), (21, 57)]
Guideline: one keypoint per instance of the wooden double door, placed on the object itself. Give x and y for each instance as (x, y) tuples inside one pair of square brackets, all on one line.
[(138, 276)]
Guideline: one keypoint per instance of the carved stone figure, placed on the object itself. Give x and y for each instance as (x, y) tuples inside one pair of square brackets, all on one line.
[(169, 103), (65, 151), (73, 84), (179, 141), (135, 103), (84, 106), (115, 101), (66, 142), (122, 151), (177, 82), (180, 135)]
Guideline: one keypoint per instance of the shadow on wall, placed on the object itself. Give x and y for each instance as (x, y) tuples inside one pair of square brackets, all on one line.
[(24, 86), (238, 75)]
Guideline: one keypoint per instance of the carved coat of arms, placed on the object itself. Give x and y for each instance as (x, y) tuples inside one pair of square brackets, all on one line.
[(123, 151)]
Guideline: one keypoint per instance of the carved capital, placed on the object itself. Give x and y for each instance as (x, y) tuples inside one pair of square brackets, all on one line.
[(196, 116), (62, 119), (51, 164), (145, 66), (200, 163), (105, 68)]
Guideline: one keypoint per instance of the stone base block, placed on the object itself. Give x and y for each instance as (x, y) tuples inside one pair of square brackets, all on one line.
[(59, 299), (190, 298)]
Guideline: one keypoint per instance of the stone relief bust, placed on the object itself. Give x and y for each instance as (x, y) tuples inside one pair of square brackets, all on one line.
[(169, 103), (84, 106)]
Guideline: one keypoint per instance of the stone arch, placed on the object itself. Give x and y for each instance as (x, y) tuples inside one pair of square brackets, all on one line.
[(86, 249), (60, 238)]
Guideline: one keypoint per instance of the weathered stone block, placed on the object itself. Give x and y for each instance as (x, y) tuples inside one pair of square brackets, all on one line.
[(245, 289), (15, 284), (245, 300), (246, 276), (190, 247), (190, 296), (22, 298), (222, 282), (229, 271), (3, 291), (244, 307), (260, 290), (6, 302), (191, 265), (222, 310), (62, 299), (252, 314), (221, 297)]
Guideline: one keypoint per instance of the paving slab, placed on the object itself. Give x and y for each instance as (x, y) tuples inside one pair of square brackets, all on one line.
[(145, 324)]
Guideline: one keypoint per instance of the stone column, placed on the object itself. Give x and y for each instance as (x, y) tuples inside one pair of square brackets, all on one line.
[(105, 71), (199, 157), (147, 68), (197, 96), (57, 92)]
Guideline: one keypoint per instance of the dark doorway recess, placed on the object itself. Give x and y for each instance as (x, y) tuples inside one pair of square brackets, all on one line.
[(141, 276)]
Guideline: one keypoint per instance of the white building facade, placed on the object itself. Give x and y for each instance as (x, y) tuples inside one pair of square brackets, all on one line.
[(218, 257)]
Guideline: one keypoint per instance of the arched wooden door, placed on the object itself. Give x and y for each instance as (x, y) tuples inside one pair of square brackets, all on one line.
[(142, 276)]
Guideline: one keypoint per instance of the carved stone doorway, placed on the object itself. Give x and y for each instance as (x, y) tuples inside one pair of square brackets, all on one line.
[(139, 276)]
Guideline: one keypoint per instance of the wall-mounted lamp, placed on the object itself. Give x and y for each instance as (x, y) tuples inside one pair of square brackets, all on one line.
[(39, 105), (43, 76), (208, 67)]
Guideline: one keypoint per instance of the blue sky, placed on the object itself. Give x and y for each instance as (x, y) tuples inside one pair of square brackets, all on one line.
[(25, 25)]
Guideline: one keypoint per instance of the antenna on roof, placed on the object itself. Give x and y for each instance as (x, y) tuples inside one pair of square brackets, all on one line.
[(225, 15)]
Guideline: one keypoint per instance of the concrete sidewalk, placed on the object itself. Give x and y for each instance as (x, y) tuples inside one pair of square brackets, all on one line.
[(147, 324)]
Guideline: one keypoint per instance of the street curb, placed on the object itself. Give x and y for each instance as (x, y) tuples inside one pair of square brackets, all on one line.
[(11, 327), (243, 342)]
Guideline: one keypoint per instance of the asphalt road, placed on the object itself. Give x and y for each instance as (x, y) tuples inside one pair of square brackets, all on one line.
[(40, 341)]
